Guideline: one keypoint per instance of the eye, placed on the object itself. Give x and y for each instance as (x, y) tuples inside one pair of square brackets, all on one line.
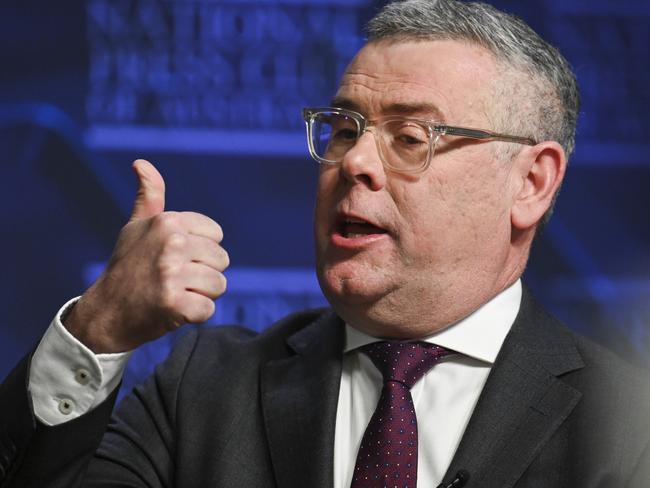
[(410, 140), (344, 129), (410, 134), (344, 134)]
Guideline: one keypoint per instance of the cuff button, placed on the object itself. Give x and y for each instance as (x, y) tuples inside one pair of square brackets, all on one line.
[(82, 376), (66, 406)]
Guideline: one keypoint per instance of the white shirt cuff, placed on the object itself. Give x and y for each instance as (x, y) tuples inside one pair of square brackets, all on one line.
[(66, 379)]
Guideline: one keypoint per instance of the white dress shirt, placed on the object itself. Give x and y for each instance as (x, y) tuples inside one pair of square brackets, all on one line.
[(444, 398), (67, 380)]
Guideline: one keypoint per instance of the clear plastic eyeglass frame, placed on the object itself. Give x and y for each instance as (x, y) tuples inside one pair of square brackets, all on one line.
[(434, 131)]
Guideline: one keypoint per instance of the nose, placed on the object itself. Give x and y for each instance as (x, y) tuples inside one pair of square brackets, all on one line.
[(362, 163)]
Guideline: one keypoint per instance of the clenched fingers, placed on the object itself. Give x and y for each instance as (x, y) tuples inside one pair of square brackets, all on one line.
[(195, 308), (204, 280), (188, 290), (200, 225), (178, 248), (188, 223), (208, 252)]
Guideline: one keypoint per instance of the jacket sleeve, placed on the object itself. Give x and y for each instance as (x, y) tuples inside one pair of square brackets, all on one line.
[(35, 455), (138, 449), (134, 447)]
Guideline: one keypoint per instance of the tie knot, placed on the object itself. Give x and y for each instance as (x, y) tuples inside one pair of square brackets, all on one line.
[(405, 362)]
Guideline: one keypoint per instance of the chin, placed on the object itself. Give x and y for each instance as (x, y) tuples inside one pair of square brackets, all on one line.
[(368, 313), (345, 286)]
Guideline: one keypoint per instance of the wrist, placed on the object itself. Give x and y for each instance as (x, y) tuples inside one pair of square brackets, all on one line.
[(85, 323)]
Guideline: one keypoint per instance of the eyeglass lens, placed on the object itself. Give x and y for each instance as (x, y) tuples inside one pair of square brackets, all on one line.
[(403, 144)]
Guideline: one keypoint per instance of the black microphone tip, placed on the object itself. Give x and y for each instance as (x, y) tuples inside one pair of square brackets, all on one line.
[(461, 478), (463, 475)]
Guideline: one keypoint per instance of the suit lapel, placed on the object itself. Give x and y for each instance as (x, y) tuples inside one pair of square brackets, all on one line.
[(299, 401), (523, 401)]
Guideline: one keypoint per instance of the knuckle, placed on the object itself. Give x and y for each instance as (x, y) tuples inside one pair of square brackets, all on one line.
[(218, 232), (208, 309), (168, 269), (222, 284), (225, 258), (167, 221), (200, 311), (217, 286), (175, 241)]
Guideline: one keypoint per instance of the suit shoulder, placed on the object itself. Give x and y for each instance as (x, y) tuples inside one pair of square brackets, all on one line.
[(598, 373), (280, 331), (213, 358), (610, 367), (544, 333), (235, 344)]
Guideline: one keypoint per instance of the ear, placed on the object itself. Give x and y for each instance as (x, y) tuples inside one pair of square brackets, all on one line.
[(540, 172)]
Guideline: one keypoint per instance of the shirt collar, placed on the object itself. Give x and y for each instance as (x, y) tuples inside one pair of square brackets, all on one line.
[(479, 335)]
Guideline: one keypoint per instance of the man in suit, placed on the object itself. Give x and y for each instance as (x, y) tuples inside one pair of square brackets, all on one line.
[(440, 157)]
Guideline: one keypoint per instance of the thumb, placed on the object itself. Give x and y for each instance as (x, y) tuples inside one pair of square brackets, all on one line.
[(150, 199)]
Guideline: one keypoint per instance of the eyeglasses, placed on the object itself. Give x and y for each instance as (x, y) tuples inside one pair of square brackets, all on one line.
[(405, 145)]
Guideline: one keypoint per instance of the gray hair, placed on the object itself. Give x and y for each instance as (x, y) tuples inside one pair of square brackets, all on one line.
[(540, 99)]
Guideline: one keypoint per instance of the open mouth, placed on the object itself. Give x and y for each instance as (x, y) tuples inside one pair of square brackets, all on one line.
[(355, 228)]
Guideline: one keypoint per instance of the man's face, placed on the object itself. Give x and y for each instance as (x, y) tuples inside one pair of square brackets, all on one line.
[(403, 255)]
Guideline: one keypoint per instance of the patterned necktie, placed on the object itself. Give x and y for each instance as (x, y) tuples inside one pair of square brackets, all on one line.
[(388, 456)]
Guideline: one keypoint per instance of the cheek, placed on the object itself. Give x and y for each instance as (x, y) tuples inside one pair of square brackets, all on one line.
[(325, 202), (422, 207), (478, 213), (451, 214)]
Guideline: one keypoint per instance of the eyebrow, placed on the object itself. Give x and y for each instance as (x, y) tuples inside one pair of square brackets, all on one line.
[(422, 108)]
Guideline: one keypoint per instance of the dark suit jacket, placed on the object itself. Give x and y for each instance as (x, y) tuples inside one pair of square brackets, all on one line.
[(231, 408)]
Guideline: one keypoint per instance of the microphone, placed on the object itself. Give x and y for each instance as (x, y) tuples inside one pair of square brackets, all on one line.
[(461, 478)]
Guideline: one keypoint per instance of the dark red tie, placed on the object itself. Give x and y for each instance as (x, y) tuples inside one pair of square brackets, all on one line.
[(388, 456)]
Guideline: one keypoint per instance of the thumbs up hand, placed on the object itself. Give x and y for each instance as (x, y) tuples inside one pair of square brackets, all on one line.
[(166, 270), (150, 200)]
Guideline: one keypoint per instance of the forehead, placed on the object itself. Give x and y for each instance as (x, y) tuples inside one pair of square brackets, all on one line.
[(444, 80)]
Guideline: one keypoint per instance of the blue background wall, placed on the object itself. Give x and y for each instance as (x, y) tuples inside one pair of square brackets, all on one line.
[(211, 91)]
